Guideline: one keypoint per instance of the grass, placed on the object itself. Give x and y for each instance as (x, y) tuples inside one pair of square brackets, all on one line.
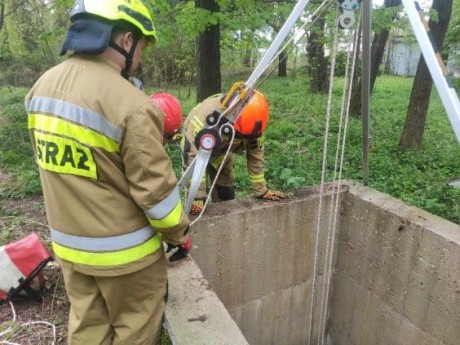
[(418, 178), (295, 142)]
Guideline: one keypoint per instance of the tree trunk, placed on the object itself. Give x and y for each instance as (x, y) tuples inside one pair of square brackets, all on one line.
[(317, 64), (377, 52), (282, 67), (2, 15), (414, 126), (208, 56)]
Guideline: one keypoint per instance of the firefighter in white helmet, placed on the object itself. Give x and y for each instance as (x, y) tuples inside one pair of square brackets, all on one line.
[(110, 191), (249, 130)]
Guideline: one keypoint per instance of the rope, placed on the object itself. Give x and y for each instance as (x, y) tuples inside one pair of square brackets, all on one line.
[(332, 220), (332, 227), (11, 329), (323, 172)]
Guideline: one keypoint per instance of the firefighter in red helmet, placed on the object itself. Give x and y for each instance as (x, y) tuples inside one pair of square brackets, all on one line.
[(249, 130), (172, 114)]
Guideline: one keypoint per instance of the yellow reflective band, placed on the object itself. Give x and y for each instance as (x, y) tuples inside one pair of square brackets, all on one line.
[(261, 141), (197, 123), (257, 178), (172, 219), (59, 126), (109, 258), (216, 163), (64, 156)]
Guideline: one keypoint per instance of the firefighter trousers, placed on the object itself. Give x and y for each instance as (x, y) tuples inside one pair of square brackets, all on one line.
[(224, 189), (126, 309)]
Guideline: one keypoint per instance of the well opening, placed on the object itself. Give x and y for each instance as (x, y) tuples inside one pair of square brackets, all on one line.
[(395, 274)]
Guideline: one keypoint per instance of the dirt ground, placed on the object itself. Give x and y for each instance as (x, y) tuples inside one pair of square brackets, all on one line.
[(26, 321)]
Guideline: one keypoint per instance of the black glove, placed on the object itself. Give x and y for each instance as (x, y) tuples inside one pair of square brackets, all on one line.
[(182, 250)]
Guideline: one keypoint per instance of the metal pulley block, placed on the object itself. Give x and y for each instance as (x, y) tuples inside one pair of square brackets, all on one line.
[(348, 8)]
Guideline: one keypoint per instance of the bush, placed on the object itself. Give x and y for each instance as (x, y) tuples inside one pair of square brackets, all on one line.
[(17, 155), (341, 64)]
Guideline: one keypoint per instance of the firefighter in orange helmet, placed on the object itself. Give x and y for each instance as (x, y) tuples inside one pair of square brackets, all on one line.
[(249, 130), (110, 191)]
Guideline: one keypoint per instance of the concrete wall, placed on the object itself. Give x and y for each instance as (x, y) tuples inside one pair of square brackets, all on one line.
[(397, 278), (257, 256), (395, 273)]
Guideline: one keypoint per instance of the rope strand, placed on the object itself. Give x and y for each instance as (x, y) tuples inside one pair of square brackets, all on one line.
[(11, 329)]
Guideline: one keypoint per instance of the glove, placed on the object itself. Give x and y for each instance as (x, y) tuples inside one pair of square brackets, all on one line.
[(197, 206), (182, 250), (273, 195), (176, 138)]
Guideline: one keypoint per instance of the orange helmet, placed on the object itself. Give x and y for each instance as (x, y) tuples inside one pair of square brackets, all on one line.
[(253, 118), (173, 112)]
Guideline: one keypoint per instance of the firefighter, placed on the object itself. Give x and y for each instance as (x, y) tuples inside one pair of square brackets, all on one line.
[(249, 129), (109, 187), (172, 115)]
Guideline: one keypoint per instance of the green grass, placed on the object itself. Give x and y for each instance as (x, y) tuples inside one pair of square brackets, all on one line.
[(15, 147), (295, 141)]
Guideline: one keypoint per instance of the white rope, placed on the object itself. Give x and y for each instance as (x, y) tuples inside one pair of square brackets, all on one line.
[(323, 172), (11, 329), (333, 209), (341, 140)]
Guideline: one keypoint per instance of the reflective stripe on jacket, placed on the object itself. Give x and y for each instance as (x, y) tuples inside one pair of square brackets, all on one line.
[(109, 188)]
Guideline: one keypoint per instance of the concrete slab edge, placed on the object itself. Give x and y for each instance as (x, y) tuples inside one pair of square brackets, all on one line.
[(194, 314)]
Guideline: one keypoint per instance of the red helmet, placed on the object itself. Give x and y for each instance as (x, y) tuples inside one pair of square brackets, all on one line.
[(172, 110), (253, 118)]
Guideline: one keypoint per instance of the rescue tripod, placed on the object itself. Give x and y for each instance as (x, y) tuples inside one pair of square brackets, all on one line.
[(219, 124)]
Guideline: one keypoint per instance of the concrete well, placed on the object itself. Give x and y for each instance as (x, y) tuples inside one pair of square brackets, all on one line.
[(395, 273)]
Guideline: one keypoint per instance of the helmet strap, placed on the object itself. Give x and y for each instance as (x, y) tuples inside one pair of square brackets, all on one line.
[(128, 55)]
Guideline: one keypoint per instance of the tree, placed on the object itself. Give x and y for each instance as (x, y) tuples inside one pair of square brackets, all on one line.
[(2, 15), (414, 125), (208, 55), (377, 51), (451, 42), (172, 59), (317, 63), (281, 13), (29, 40)]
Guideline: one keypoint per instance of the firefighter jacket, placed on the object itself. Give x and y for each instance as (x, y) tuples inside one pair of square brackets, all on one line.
[(109, 187), (254, 148)]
